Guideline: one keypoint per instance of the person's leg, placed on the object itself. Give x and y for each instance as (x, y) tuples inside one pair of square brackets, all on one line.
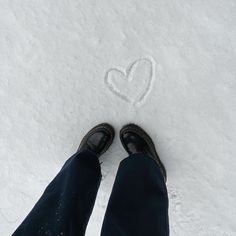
[(67, 202), (139, 202), (66, 205)]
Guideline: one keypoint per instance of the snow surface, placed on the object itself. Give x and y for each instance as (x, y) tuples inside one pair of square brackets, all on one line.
[(170, 66)]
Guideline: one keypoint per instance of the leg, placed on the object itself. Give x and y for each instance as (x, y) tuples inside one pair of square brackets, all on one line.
[(66, 204), (139, 202)]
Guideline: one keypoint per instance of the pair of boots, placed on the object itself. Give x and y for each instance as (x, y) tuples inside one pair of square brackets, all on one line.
[(133, 138), (138, 204)]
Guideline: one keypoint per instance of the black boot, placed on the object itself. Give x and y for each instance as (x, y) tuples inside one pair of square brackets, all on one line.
[(135, 140), (98, 139)]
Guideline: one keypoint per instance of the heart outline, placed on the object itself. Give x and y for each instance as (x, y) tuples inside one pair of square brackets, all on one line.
[(126, 74)]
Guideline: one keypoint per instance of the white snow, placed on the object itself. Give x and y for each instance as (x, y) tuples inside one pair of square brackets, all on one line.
[(170, 66)]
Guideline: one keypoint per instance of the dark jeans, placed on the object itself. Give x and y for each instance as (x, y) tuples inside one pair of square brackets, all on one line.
[(138, 204)]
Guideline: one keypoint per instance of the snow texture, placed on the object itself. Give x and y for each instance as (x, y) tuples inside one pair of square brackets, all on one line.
[(169, 66)]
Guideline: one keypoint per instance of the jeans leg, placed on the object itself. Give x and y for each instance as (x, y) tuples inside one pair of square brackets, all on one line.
[(66, 205), (139, 202)]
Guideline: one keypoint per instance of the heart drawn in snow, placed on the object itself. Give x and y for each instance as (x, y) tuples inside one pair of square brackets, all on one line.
[(134, 84)]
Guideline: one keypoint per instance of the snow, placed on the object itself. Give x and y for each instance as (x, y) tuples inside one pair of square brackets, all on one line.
[(167, 65)]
